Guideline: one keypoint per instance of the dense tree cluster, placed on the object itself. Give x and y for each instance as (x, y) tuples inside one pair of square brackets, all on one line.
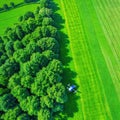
[(30, 70)]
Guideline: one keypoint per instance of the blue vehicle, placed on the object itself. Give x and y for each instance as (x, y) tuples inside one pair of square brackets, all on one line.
[(71, 88)]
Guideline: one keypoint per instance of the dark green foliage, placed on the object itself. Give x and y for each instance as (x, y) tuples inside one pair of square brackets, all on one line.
[(19, 32), (45, 12), (55, 66), (7, 101), (21, 55), (44, 114), (5, 7), (7, 70), (14, 81), (48, 43), (31, 105), (23, 117), (12, 114), (27, 80), (30, 71), (20, 92), (28, 15), (18, 45), (12, 4)]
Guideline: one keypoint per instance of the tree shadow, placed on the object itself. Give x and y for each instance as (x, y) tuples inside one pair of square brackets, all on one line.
[(68, 75)]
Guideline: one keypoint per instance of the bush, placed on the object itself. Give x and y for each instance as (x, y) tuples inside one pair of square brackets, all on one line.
[(12, 4), (5, 7)]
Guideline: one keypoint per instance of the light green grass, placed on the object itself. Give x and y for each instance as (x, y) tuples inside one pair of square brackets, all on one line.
[(7, 19), (89, 48), (2, 2)]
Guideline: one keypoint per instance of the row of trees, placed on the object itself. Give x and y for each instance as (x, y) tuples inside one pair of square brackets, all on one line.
[(30, 70), (12, 5)]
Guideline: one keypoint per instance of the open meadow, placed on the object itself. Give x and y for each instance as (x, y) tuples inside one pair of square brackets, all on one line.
[(93, 33)]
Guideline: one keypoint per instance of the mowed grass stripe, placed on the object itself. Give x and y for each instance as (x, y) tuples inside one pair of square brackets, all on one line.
[(7, 19), (91, 90), (97, 35), (111, 57), (91, 36)]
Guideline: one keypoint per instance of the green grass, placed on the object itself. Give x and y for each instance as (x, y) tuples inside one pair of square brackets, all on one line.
[(7, 19), (94, 58), (2, 2)]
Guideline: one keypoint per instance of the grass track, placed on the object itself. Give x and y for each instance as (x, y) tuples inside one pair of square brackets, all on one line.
[(10, 17), (89, 46)]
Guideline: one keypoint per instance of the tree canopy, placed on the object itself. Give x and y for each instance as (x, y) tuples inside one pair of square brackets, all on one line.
[(31, 85)]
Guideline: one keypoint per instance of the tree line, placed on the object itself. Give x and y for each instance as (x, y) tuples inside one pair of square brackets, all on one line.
[(12, 5), (30, 70)]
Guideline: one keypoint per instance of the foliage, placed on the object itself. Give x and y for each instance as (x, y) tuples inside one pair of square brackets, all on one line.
[(30, 69)]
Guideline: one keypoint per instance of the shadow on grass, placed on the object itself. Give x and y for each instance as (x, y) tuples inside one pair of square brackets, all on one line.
[(69, 76)]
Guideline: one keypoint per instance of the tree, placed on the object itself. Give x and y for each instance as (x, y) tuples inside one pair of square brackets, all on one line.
[(46, 101), (55, 66), (45, 12), (7, 70), (48, 43), (28, 15), (31, 105), (47, 21), (52, 31), (23, 116), (27, 1), (50, 55), (9, 48), (12, 4), (7, 101), (26, 81), (14, 81), (5, 7), (32, 47), (12, 114), (18, 45), (20, 93), (57, 92), (21, 56), (31, 24), (19, 32), (44, 114)]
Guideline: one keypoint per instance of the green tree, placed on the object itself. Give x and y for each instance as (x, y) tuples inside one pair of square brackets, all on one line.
[(7, 70), (26, 81), (45, 12), (7, 101), (23, 116), (18, 45), (28, 15), (9, 48), (21, 56), (19, 31), (50, 55), (20, 93), (14, 81), (5, 7), (57, 92), (31, 105), (48, 43), (44, 114), (12, 114), (47, 21), (12, 4), (55, 66)]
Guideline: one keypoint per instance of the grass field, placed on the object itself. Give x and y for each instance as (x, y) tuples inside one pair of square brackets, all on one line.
[(7, 19), (2, 2), (93, 33)]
